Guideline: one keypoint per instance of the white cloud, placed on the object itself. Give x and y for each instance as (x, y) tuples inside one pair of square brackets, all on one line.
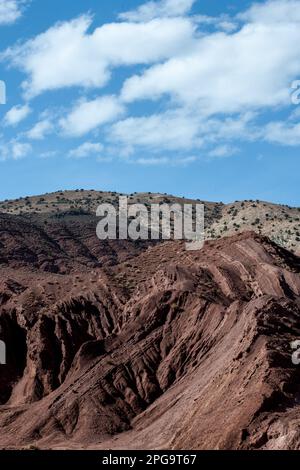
[(223, 151), (223, 22), (226, 25), (283, 133), (20, 150), (180, 131), (10, 11), (170, 137), (219, 75), (173, 130), (226, 72), (152, 161), (89, 115), (14, 150), (40, 130), (158, 9), (224, 129), (16, 114), (69, 55), (162, 161), (86, 149), (273, 11)]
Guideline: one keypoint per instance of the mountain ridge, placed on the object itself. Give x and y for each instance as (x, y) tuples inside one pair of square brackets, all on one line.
[(281, 223)]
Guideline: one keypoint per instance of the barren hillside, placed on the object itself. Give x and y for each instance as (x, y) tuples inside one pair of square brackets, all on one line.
[(280, 223), (167, 349)]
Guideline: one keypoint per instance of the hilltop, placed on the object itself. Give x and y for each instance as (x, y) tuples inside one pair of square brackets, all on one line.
[(281, 223)]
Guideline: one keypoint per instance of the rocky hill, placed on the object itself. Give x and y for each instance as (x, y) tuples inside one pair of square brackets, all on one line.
[(280, 223), (146, 346)]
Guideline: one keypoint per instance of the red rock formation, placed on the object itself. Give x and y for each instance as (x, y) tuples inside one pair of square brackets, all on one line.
[(168, 349)]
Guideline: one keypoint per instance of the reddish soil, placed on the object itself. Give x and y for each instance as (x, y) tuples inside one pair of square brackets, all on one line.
[(121, 345)]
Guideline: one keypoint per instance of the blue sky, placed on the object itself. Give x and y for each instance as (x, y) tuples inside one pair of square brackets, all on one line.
[(178, 96)]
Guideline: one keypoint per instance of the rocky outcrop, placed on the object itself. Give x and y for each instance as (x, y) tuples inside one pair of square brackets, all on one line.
[(167, 349)]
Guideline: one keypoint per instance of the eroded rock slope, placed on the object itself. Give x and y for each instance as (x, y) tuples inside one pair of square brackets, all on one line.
[(160, 349)]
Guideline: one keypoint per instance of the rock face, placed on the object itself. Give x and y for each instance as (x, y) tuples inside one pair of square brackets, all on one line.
[(138, 346)]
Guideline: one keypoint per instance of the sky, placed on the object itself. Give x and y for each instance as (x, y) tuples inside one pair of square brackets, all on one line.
[(196, 98)]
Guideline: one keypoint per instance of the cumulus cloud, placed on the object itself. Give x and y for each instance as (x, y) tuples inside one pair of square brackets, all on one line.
[(86, 149), (273, 11), (40, 130), (181, 130), (171, 130), (20, 150), (283, 133), (89, 115), (213, 78), (163, 8), (175, 134), (10, 11), (226, 73), (223, 151), (68, 54), (14, 150), (16, 114)]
